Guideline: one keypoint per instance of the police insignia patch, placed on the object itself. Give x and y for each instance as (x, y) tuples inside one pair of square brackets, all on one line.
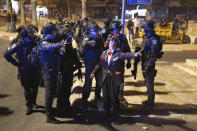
[(154, 42), (115, 59), (44, 42), (12, 47), (86, 39)]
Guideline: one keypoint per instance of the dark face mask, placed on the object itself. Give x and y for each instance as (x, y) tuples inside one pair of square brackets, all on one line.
[(27, 40), (148, 30), (116, 30), (94, 35), (50, 37)]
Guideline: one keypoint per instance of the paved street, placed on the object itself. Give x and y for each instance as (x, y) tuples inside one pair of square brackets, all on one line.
[(175, 109)]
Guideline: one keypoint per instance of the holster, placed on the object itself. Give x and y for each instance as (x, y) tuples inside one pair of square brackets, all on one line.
[(160, 54), (155, 73)]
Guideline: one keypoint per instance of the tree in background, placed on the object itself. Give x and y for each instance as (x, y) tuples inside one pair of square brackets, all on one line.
[(34, 14), (22, 11), (9, 5), (68, 5), (188, 3)]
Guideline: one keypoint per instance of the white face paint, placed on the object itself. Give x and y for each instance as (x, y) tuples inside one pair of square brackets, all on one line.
[(112, 45)]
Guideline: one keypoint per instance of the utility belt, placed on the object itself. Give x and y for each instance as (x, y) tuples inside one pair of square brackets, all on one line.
[(158, 55)]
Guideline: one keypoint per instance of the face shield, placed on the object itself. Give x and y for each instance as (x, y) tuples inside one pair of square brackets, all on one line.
[(148, 30), (32, 33), (93, 34), (116, 30), (25, 36)]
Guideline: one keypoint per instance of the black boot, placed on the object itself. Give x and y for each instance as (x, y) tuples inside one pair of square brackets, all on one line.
[(52, 120), (147, 102), (35, 106), (29, 110)]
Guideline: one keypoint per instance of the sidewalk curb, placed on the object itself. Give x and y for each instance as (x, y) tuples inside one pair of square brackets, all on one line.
[(189, 50), (7, 37)]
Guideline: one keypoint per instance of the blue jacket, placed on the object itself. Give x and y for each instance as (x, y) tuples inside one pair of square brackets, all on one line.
[(48, 53), (151, 50), (92, 53), (22, 50)]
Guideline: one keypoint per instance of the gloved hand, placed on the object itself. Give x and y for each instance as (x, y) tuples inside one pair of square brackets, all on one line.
[(79, 75), (91, 76), (138, 54), (69, 39), (92, 43), (128, 65)]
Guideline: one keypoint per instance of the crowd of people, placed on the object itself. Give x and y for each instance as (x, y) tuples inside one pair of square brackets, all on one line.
[(11, 19), (103, 51), (179, 22)]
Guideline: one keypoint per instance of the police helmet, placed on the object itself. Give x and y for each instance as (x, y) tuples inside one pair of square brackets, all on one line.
[(116, 24), (20, 28), (107, 22), (92, 26), (149, 24), (49, 28), (24, 33)]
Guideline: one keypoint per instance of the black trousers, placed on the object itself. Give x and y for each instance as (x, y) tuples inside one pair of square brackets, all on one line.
[(122, 80), (89, 66), (149, 78), (64, 91), (110, 94), (50, 78), (30, 82)]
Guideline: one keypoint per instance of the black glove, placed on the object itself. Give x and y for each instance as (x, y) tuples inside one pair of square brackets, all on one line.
[(79, 75), (128, 65)]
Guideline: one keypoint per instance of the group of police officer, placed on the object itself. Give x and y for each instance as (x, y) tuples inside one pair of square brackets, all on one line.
[(53, 59)]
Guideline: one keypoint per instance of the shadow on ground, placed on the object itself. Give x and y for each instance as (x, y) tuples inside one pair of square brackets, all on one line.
[(133, 114), (142, 83), (5, 111), (3, 95)]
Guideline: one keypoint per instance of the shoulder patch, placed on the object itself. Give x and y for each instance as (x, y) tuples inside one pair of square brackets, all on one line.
[(115, 59), (86, 39), (12, 47), (154, 42), (44, 42)]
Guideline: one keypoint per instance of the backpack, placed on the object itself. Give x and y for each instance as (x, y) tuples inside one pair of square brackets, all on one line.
[(34, 57)]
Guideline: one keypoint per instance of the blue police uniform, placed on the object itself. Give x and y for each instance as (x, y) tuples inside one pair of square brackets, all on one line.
[(48, 58), (91, 56), (149, 57), (28, 75)]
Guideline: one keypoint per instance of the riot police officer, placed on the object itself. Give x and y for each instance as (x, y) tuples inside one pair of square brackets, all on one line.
[(91, 49), (28, 75), (18, 37), (106, 30), (48, 58), (151, 52), (124, 47), (79, 32), (68, 63)]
